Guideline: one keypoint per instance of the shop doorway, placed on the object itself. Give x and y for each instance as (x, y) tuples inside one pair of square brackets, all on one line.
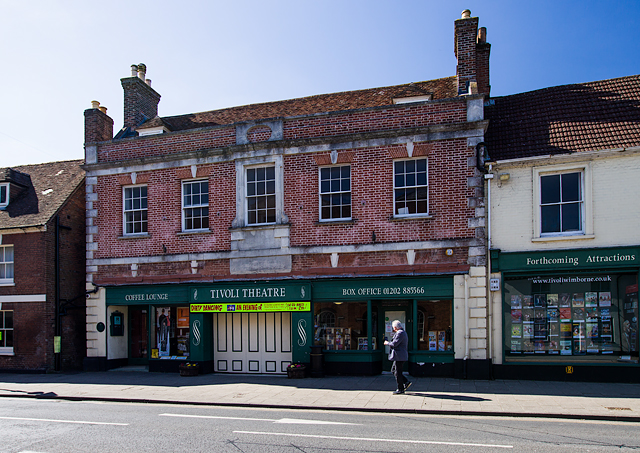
[(390, 314), (138, 335), (257, 343)]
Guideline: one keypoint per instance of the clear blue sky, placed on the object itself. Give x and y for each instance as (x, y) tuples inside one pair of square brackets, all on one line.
[(204, 55)]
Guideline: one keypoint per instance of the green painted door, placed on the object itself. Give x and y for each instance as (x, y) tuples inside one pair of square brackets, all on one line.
[(138, 335)]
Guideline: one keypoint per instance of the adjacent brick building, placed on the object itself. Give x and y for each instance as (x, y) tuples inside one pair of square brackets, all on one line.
[(564, 231), (42, 289), (240, 237)]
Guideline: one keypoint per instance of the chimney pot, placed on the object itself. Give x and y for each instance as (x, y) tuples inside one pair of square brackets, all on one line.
[(134, 70), (103, 109), (142, 71), (466, 14), (482, 34), (148, 82), (95, 104)]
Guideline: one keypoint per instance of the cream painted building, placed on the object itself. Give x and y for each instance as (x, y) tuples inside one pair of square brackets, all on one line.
[(564, 233)]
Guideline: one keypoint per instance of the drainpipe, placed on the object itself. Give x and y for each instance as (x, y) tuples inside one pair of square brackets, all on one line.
[(58, 320), (488, 177), (466, 322)]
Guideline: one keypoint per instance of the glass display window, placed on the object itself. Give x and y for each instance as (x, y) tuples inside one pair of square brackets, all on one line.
[(434, 320), (170, 332), (341, 326), (579, 317)]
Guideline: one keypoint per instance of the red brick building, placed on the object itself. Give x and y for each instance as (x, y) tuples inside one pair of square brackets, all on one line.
[(240, 237), (42, 291)]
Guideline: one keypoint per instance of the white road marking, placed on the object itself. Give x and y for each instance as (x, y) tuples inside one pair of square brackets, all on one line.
[(80, 422), (371, 439), (300, 421), (290, 421)]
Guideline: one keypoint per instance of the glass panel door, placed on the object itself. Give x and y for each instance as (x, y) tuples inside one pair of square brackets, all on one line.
[(390, 315)]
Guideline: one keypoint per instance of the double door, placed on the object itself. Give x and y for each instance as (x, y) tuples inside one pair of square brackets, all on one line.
[(257, 343)]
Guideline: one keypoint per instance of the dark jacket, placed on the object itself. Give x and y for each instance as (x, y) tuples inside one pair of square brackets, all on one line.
[(399, 346)]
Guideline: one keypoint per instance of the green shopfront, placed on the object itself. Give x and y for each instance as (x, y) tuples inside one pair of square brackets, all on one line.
[(569, 314), (263, 326)]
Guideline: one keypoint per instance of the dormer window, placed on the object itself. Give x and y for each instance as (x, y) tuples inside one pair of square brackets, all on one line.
[(412, 99), (4, 195)]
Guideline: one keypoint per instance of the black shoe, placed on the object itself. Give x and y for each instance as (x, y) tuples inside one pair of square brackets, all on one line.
[(407, 385), (398, 392)]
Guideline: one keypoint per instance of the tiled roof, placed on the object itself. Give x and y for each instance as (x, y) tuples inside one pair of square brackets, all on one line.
[(374, 97), (49, 187), (565, 119)]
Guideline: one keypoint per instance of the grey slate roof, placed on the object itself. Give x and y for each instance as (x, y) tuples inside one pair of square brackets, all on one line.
[(565, 119), (33, 208)]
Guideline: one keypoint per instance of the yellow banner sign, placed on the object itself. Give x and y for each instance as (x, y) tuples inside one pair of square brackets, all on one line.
[(250, 307)]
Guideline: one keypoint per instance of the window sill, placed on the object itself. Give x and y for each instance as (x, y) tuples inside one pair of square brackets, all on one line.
[(135, 236), (576, 237), (188, 233), (7, 283), (336, 222), (399, 218), (7, 353)]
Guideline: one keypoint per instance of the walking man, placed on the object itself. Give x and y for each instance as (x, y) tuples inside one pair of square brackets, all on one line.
[(398, 354)]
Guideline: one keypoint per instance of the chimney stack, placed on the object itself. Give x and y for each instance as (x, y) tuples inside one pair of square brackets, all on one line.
[(472, 52), (98, 126), (140, 100)]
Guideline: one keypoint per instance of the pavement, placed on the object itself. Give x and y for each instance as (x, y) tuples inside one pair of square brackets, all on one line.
[(509, 398)]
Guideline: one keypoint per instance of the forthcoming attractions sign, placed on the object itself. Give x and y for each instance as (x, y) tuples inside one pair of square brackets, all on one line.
[(251, 307), (567, 259)]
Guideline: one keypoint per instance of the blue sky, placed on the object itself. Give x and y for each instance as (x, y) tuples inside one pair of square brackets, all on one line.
[(204, 55)]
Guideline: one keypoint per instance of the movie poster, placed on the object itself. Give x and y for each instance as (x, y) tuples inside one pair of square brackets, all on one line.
[(630, 323), (163, 330)]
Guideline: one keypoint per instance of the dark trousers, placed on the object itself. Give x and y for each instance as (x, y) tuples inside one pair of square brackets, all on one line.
[(396, 369)]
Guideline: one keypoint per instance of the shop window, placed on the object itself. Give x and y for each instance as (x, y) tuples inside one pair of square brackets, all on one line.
[(135, 210), (6, 331), (572, 318), (411, 195), (170, 332), (434, 325), (195, 205), (335, 193), (6, 264), (349, 329)]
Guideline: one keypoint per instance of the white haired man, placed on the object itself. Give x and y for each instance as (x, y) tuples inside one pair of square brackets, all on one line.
[(398, 354)]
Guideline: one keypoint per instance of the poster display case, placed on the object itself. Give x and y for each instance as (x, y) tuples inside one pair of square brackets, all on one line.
[(584, 317)]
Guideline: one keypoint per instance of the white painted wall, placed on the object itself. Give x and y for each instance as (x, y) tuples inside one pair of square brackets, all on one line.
[(615, 189), (117, 346)]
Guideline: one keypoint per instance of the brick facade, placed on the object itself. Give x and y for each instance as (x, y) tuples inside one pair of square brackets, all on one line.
[(375, 241), (32, 297)]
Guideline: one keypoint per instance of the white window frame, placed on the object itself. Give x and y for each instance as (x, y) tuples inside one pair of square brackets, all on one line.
[(193, 206), (241, 219), (417, 214), (338, 192), (7, 281), (586, 208), (124, 211), (6, 350), (7, 191)]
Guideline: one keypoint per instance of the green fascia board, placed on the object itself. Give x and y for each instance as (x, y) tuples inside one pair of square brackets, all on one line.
[(237, 292), (160, 295), (574, 260), (359, 289)]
